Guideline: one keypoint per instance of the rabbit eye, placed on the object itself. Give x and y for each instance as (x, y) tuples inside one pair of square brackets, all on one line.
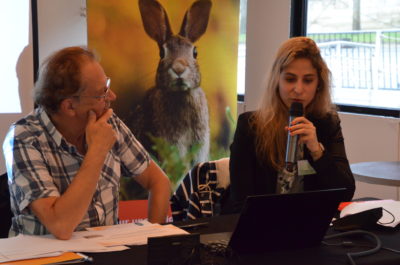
[(162, 53), (194, 52)]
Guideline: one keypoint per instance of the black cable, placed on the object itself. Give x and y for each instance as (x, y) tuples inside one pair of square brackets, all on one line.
[(391, 249), (352, 255), (394, 218), (352, 244), (344, 244)]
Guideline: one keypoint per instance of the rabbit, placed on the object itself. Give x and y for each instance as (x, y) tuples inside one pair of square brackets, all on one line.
[(175, 109)]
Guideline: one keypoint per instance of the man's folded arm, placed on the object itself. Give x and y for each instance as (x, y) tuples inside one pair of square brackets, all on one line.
[(157, 183), (61, 215)]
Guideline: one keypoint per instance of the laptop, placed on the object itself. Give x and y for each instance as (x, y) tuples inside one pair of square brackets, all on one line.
[(282, 222)]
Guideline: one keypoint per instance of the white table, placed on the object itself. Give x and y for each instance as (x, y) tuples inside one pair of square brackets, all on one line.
[(379, 172)]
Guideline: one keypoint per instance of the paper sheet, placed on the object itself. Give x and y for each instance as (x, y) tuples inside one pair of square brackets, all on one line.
[(129, 234), (98, 239)]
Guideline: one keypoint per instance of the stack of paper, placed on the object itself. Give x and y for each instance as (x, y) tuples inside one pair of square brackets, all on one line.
[(128, 234), (97, 239)]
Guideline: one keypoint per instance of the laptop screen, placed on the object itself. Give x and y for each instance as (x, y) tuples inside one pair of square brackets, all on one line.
[(285, 221)]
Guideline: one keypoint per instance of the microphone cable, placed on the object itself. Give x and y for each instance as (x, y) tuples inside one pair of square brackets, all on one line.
[(352, 255)]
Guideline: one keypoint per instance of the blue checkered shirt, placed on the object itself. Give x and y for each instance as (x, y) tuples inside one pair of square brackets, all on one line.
[(41, 163)]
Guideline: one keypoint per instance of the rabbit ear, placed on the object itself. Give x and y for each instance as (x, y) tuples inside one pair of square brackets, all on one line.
[(196, 19), (155, 20)]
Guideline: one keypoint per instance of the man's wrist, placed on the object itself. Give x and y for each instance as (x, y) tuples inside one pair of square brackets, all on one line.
[(96, 154)]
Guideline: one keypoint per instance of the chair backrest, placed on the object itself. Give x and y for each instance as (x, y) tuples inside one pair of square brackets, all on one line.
[(5, 208)]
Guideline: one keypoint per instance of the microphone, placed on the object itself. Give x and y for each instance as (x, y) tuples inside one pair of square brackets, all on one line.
[(296, 110)]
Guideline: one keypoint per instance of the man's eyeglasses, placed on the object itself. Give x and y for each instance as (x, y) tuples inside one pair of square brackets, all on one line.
[(106, 91)]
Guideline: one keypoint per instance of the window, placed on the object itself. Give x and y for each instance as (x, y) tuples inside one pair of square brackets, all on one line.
[(360, 41)]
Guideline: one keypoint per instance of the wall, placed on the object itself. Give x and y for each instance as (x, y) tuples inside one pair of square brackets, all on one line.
[(16, 66), (372, 138), (367, 138), (267, 27), (61, 23)]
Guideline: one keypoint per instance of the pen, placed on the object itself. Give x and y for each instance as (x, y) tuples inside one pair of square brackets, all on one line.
[(74, 261), (193, 225), (86, 258)]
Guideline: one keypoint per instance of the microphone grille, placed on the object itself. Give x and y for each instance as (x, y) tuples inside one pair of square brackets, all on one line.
[(296, 109)]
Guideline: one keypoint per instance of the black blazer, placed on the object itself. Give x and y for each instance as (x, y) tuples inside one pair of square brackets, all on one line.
[(250, 177)]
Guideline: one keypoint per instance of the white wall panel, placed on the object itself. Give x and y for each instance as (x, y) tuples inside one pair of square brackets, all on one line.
[(267, 27), (61, 23)]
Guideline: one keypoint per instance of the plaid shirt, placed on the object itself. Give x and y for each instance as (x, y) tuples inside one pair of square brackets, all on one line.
[(41, 163)]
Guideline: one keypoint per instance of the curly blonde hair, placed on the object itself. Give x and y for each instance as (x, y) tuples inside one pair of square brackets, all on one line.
[(273, 113)]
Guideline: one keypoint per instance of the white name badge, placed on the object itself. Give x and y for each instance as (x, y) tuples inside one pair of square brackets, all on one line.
[(304, 168)]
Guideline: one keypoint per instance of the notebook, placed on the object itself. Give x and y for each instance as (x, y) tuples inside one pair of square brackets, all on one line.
[(282, 222)]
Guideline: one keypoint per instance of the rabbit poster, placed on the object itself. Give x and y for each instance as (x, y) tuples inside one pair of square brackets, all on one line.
[(173, 66)]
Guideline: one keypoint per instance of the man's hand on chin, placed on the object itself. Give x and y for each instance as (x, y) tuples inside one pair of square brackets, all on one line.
[(99, 133)]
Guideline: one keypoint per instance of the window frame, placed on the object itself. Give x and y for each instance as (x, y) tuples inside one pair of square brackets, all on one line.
[(298, 27), (35, 39)]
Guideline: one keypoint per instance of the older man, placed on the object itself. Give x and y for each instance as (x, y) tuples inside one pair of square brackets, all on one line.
[(65, 159)]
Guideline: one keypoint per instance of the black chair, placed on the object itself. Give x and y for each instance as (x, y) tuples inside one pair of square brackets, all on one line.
[(5, 208)]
